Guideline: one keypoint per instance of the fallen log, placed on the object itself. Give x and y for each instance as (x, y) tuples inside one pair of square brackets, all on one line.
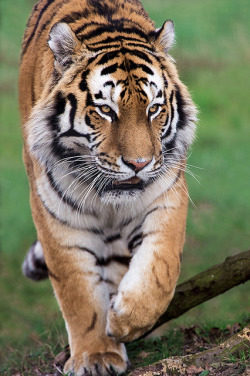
[(206, 285), (209, 362)]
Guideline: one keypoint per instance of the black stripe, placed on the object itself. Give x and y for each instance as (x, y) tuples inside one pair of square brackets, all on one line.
[(46, 6), (169, 146), (59, 150), (59, 108), (140, 54), (125, 223), (103, 8), (165, 81), (94, 138), (103, 47), (133, 240), (53, 276), (138, 238), (64, 222), (99, 95), (109, 83), (134, 230), (140, 225), (71, 97), (88, 122), (123, 260), (146, 46), (85, 26), (84, 249), (93, 322), (94, 230), (145, 68), (165, 134), (52, 213), (102, 261), (136, 244), (110, 28), (83, 84), (169, 130), (159, 94), (89, 100), (60, 103), (180, 108), (175, 181), (111, 69), (75, 16), (108, 56), (112, 238), (111, 55), (118, 38), (98, 144), (73, 133), (111, 283), (151, 211), (67, 200)]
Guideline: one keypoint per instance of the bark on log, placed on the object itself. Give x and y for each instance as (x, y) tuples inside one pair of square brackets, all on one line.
[(206, 285), (197, 363)]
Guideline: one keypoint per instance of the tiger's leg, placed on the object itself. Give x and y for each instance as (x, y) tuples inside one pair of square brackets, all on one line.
[(148, 287), (84, 300)]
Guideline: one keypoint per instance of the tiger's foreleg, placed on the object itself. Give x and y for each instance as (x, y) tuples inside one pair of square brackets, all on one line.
[(148, 287)]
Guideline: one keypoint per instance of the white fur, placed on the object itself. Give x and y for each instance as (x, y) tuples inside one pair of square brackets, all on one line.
[(62, 42), (167, 35)]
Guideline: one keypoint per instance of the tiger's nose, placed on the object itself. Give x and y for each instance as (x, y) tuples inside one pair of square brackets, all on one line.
[(137, 164)]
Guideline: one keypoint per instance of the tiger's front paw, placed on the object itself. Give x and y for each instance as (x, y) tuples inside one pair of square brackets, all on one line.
[(97, 364), (128, 318)]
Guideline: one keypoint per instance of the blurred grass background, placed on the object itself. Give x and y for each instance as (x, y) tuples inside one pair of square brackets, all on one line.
[(212, 55)]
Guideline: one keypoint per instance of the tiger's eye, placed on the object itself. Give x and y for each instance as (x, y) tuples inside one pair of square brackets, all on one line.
[(105, 109), (153, 109)]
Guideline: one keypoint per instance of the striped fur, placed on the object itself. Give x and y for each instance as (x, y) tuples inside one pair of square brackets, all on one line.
[(106, 126)]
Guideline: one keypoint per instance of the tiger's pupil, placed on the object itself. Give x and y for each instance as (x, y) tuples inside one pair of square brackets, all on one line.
[(106, 109), (154, 108)]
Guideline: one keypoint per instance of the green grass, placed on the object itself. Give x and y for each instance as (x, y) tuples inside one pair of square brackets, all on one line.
[(146, 352), (213, 56)]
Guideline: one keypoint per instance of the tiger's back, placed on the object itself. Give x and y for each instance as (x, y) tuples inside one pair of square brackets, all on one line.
[(106, 125)]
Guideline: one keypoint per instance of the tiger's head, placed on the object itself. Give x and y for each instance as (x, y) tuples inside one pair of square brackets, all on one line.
[(116, 115)]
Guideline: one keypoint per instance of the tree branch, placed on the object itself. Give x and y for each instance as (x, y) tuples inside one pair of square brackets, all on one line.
[(209, 359)]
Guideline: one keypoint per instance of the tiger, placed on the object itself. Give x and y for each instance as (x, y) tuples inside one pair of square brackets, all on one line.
[(106, 125)]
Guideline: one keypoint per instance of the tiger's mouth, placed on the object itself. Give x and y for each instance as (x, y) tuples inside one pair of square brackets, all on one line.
[(125, 185), (134, 180)]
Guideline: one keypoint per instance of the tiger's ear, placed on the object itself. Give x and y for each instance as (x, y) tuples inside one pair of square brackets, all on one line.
[(164, 37), (63, 43)]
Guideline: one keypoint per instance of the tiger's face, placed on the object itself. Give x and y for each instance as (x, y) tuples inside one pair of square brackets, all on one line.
[(114, 117), (126, 114)]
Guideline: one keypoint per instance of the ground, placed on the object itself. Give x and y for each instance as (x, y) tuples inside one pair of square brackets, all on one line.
[(177, 342)]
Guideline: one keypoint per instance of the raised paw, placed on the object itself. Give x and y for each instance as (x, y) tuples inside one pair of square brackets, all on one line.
[(97, 364), (128, 318)]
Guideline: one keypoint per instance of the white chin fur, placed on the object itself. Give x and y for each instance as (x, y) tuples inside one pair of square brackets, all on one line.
[(121, 197)]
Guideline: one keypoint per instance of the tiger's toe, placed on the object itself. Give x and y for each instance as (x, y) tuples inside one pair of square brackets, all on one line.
[(97, 364)]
